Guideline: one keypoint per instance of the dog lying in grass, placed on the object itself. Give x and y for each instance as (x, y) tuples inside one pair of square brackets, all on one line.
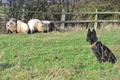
[(102, 52)]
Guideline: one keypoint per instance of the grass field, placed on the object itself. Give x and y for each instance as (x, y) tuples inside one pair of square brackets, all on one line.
[(57, 56)]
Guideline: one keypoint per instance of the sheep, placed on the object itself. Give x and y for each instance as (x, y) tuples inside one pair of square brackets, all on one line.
[(33, 24), (49, 24), (45, 25), (11, 26), (22, 27), (52, 28), (42, 27)]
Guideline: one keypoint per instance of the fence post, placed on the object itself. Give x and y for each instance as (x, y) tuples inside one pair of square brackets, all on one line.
[(62, 19), (96, 23), (23, 12)]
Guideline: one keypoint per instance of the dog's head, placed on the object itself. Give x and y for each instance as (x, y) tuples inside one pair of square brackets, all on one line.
[(91, 36)]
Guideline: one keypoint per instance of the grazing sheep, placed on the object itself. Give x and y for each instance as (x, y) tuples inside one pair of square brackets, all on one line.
[(52, 28), (42, 27), (33, 24), (11, 27), (49, 24), (22, 27)]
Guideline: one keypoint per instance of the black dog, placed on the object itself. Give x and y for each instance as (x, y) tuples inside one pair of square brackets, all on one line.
[(102, 52)]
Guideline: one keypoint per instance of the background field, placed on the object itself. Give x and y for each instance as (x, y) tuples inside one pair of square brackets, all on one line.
[(57, 56)]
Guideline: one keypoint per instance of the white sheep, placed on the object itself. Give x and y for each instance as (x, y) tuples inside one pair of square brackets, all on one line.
[(11, 27), (33, 24), (22, 27), (42, 27)]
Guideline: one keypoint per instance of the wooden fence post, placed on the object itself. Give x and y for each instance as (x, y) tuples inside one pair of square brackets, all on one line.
[(62, 19), (23, 12), (96, 23)]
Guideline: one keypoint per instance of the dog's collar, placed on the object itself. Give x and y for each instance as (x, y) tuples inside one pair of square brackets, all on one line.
[(93, 44)]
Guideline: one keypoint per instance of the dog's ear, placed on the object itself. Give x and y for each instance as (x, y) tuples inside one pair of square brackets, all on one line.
[(93, 31), (89, 31)]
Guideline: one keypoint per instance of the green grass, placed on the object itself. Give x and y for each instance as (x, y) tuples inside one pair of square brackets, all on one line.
[(57, 56)]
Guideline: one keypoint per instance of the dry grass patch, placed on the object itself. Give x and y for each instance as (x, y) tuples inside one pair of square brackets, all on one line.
[(59, 74)]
